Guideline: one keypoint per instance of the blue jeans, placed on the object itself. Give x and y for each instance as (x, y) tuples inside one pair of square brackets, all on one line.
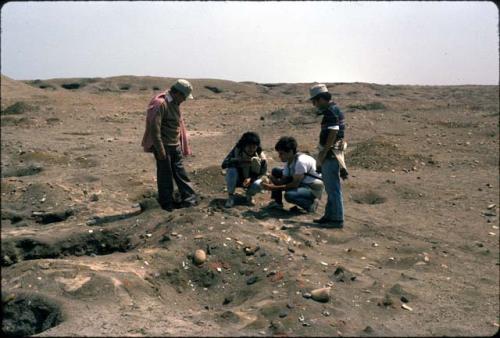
[(334, 209), (233, 181), (301, 196)]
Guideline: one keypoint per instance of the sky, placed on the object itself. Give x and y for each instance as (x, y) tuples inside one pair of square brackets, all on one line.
[(418, 43)]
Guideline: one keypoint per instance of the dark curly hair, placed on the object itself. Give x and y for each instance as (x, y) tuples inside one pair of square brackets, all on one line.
[(286, 143), (249, 138)]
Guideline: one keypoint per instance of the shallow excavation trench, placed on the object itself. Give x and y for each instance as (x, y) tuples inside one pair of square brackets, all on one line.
[(26, 313), (103, 242)]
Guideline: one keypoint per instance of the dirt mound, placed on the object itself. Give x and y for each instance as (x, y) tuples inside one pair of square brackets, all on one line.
[(22, 170), (11, 89), (379, 153), (17, 108), (210, 179)]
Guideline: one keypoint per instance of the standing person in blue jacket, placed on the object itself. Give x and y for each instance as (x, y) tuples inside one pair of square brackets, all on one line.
[(246, 165), (330, 157)]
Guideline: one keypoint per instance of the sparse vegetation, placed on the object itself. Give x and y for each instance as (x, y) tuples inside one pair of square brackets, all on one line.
[(213, 89), (18, 108)]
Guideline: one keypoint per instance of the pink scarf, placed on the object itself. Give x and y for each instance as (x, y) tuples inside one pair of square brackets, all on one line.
[(153, 107)]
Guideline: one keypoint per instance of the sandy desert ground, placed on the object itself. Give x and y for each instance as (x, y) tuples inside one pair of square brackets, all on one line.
[(87, 252)]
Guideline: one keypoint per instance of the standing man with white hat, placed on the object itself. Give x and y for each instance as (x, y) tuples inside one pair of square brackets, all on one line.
[(166, 136), (330, 157)]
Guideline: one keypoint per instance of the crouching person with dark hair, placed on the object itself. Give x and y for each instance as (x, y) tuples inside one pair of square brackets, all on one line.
[(246, 165), (298, 179)]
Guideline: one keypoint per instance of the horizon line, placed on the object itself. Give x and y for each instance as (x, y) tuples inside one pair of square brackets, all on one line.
[(251, 81)]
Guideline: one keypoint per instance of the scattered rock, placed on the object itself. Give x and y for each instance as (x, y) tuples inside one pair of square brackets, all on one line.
[(343, 275), (404, 299), (283, 313), (199, 257), (387, 301), (148, 204), (321, 295), (277, 327), (6, 261), (307, 295), (368, 330), (228, 299), (406, 307), (251, 250), (230, 316), (252, 280)]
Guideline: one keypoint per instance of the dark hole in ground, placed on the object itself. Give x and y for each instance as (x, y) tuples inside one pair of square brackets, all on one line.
[(368, 197), (99, 243), (71, 85), (53, 217), (26, 315)]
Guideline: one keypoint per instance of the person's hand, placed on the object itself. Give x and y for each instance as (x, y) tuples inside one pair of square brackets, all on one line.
[(162, 155), (246, 182), (266, 186)]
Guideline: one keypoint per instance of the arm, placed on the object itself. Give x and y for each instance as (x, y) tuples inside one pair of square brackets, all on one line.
[(156, 131), (296, 179), (332, 136), (230, 161), (263, 169)]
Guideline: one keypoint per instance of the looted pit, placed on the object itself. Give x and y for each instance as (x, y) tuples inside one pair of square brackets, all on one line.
[(28, 314)]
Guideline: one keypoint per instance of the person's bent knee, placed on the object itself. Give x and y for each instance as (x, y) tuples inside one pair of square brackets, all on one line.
[(289, 197)]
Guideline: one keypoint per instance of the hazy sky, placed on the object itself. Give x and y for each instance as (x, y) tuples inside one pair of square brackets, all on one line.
[(379, 42)]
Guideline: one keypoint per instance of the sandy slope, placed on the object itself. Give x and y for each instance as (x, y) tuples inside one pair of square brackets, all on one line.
[(421, 215)]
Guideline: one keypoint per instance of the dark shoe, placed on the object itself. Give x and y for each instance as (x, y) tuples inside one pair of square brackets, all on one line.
[(187, 204), (168, 207), (333, 225), (327, 223), (321, 220)]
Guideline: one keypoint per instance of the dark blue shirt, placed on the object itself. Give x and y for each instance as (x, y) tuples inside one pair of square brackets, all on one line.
[(333, 118)]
